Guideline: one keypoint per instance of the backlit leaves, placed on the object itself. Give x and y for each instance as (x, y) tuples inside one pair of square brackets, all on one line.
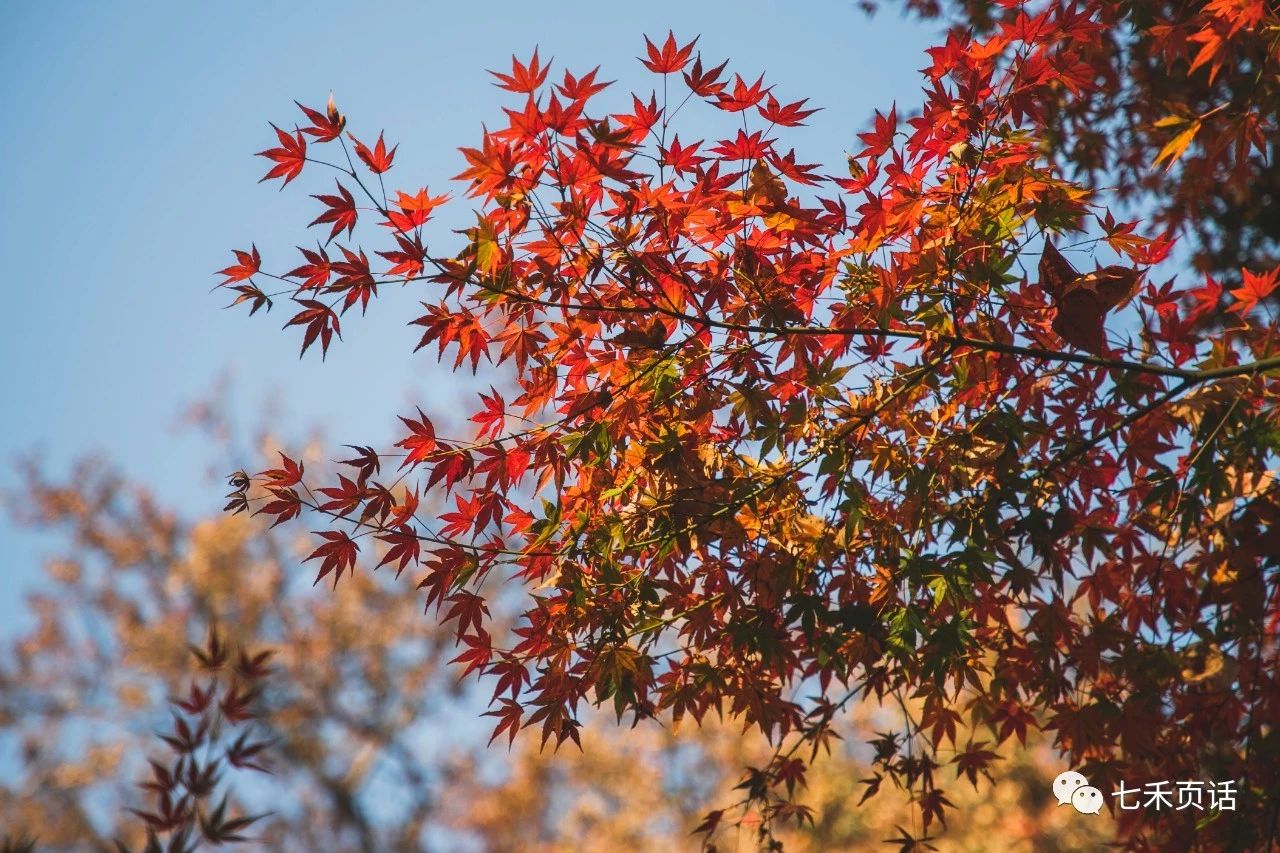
[(289, 156), (325, 126), (377, 158), (342, 212), (775, 442)]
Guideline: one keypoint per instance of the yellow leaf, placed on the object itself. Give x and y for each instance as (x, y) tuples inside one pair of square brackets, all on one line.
[(766, 186), (781, 221), (484, 246), (1176, 146), (1171, 121)]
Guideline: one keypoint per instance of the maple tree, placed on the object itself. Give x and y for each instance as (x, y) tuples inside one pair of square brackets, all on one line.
[(778, 441)]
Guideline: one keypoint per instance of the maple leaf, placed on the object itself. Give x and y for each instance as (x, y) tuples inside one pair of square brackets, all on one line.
[(344, 498), (484, 246), (1213, 49), (289, 157), (336, 555), (1081, 302), (1178, 145), (243, 753), (1255, 287), (421, 441), (342, 211), (326, 126), (682, 158), (670, 58), (933, 805), (642, 117), (745, 146), (321, 323), (581, 88), (186, 739), (463, 520), (788, 115), (285, 506), (803, 173), (1205, 299), (235, 705), (414, 210), (288, 474), (705, 84), (220, 829), (743, 96), (405, 547), (253, 666), (315, 272), (379, 158), (880, 138), (354, 279), (410, 260), (197, 700), (469, 611), (249, 292), (404, 511), (523, 79), (247, 265), (366, 462), (974, 760)]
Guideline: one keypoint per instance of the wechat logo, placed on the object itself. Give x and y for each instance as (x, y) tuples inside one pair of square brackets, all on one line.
[(1071, 787)]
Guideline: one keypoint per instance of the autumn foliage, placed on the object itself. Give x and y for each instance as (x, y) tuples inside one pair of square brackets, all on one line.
[(1181, 121), (952, 430)]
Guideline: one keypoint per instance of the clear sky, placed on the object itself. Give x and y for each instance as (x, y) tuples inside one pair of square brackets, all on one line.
[(126, 175)]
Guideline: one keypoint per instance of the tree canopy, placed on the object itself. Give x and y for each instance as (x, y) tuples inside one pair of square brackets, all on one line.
[(959, 429)]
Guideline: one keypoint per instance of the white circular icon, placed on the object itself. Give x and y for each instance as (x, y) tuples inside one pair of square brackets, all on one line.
[(1066, 783), (1087, 799)]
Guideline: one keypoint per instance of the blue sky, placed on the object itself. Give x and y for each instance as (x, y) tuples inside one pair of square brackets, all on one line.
[(126, 175)]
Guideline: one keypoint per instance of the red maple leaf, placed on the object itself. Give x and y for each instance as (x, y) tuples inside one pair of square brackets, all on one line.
[(743, 96), (1204, 300), (342, 211), (247, 265), (337, 554), (325, 126), (523, 79), (321, 323), (289, 157), (1081, 302), (1253, 289), (379, 158), (682, 158), (670, 58), (409, 261), (414, 210), (785, 115), (705, 84), (315, 272), (405, 547), (420, 442), (579, 89)]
